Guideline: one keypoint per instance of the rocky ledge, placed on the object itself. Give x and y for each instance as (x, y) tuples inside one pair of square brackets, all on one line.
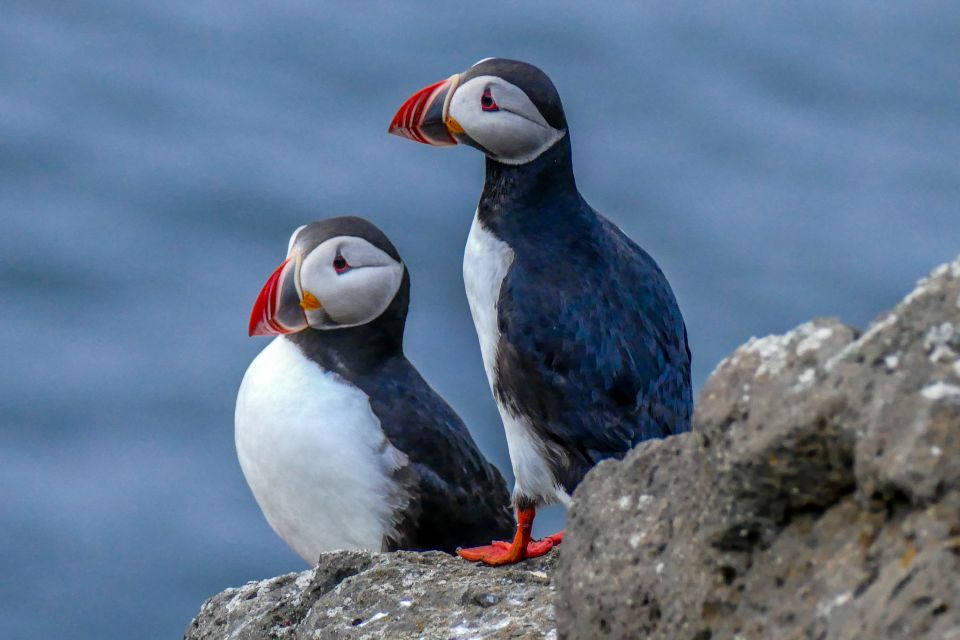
[(818, 496), (358, 594)]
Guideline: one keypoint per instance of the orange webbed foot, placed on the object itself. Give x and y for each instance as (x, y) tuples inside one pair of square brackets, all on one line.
[(499, 552), (495, 554)]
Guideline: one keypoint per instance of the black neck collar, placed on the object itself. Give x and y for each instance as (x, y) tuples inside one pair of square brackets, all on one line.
[(357, 351), (548, 178)]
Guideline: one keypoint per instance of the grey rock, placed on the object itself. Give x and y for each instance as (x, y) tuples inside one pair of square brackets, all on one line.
[(773, 433), (353, 594), (817, 497), (903, 376)]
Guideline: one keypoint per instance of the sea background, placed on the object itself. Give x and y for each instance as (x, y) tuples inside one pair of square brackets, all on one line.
[(780, 161)]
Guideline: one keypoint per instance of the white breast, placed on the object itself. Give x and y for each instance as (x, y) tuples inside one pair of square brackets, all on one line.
[(486, 261), (313, 454)]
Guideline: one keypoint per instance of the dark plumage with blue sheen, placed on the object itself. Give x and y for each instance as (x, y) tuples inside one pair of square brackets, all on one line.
[(582, 339), (461, 498), (593, 348)]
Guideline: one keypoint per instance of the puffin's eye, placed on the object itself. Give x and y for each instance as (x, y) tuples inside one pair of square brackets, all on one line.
[(487, 103), (340, 264)]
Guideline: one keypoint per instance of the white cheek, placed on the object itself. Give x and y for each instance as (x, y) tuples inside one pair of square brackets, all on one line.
[(513, 136), (508, 136), (461, 106), (360, 295)]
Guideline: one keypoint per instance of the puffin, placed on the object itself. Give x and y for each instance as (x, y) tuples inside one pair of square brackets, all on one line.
[(342, 442), (582, 339)]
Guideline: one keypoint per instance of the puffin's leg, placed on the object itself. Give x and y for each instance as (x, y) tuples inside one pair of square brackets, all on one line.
[(500, 553), (556, 539)]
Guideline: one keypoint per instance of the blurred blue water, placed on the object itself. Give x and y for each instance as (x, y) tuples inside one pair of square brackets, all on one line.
[(154, 157)]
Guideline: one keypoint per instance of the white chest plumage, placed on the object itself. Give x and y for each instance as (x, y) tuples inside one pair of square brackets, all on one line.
[(486, 261), (314, 455)]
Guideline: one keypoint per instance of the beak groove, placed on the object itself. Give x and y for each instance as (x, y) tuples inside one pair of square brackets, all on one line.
[(422, 118), (277, 310)]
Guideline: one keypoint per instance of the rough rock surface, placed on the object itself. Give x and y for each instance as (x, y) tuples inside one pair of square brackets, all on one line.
[(354, 594), (817, 497)]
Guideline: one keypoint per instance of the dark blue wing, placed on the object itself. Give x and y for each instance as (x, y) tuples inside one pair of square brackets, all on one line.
[(460, 499), (593, 346)]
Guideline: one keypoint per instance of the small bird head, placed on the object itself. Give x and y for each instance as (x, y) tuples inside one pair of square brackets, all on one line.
[(340, 272), (508, 109)]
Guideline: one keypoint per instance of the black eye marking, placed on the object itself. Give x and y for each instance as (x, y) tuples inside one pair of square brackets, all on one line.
[(487, 103), (340, 264)]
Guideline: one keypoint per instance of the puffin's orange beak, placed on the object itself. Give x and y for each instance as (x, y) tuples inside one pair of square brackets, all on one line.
[(278, 309), (424, 116)]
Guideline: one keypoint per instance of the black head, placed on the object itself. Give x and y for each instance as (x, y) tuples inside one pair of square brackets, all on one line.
[(529, 79), (339, 273), (310, 236), (508, 109)]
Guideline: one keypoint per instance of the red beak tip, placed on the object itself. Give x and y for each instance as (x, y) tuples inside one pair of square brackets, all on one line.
[(255, 328), (408, 120), (262, 316)]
